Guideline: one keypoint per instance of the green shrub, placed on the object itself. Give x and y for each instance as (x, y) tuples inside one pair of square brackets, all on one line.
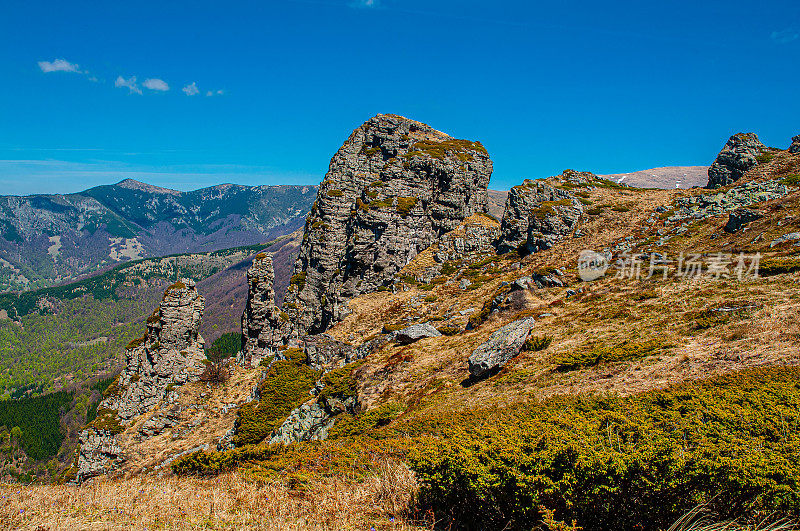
[(340, 383), (776, 266), (765, 157), (449, 330), (791, 180), (298, 280), (405, 205), (108, 420), (632, 463), (285, 387), (537, 343), (335, 193), (389, 328), (596, 354), (348, 425)]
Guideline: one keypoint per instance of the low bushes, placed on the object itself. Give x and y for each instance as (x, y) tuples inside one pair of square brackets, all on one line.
[(285, 387), (628, 463), (596, 354)]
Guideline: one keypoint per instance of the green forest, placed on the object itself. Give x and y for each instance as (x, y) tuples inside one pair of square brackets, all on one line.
[(38, 422)]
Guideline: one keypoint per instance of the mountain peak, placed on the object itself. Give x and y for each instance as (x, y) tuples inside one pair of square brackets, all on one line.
[(132, 184)]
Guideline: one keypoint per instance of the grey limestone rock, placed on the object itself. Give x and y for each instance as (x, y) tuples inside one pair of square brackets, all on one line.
[(474, 237), (169, 354), (393, 189), (795, 147), (263, 325), (99, 454), (739, 155), (741, 217), (414, 333), (538, 215), (501, 346)]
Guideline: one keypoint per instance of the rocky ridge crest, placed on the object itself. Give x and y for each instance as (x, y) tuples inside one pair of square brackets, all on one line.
[(740, 154), (392, 189)]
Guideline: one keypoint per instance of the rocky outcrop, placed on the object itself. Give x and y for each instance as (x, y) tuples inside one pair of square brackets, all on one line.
[(170, 354), (99, 454), (392, 189), (501, 346), (538, 215), (739, 218), (473, 237), (795, 147), (264, 326), (312, 420), (413, 333), (739, 155), (715, 204)]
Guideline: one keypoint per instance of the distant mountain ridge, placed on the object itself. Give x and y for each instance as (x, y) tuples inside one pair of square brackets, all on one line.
[(47, 239)]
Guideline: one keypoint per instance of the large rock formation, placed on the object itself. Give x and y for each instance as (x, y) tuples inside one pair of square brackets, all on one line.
[(472, 238), (537, 215), (738, 156), (795, 147), (263, 324), (169, 354), (391, 190)]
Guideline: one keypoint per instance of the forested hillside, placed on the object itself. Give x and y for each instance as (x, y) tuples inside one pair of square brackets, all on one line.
[(65, 334)]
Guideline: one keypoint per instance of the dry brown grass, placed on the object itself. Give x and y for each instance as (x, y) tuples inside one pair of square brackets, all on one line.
[(229, 501)]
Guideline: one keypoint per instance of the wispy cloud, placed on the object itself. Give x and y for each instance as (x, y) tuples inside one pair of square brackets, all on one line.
[(156, 84), (191, 90), (129, 83), (59, 65), (219, 92), (784, 36), (364, 4)]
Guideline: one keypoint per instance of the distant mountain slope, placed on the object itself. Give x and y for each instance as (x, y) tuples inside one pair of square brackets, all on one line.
[(55, 336), (47, 239), (667, 178)]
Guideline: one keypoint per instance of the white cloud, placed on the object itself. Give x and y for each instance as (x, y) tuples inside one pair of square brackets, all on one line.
[(58, 65), (129, 83), (219, 92), (364, 3), (191, 90), (784, 36), (156, 84)]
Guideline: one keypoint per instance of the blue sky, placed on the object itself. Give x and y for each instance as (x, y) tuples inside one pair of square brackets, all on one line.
[(265, 92)]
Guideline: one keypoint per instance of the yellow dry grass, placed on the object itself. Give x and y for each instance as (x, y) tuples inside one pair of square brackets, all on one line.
[(228, 501)]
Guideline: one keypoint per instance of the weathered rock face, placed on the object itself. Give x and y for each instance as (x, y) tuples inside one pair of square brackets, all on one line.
[(501, 346), (99, 454), (475, 236), (795, 147), (741, 217), (414, 333), (391, 190), (537, 215), (738, 156), (312, 420), (263, 327), (170, 354), (716, 203)]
